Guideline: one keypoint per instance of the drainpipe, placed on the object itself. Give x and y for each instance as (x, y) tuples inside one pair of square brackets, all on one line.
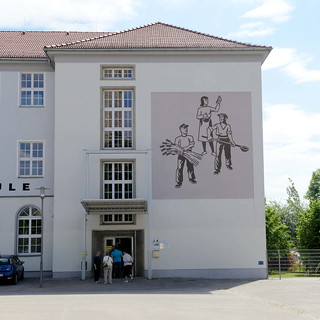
[(84, 236), (149, 183)]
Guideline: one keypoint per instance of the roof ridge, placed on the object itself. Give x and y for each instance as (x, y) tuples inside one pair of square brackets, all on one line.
[(145, 26), (100, 37), (209, 35)]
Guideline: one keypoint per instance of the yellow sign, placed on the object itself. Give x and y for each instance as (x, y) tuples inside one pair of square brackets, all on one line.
[(83, 254)]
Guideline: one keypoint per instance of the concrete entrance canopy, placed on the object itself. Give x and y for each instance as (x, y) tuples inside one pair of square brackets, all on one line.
[(102, 206)]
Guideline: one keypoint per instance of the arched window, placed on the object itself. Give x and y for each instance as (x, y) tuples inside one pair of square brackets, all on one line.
[(29, 230)]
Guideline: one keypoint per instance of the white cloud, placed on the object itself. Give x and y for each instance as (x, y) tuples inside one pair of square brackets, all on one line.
[(293, 64), (275, 10), (253, 29), (74, 15), (291, 148)]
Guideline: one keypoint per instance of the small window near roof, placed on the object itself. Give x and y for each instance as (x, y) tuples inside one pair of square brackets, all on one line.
[(117, 73)]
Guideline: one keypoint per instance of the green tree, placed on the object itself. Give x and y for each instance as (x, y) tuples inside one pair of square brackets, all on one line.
[(292, 210), (313, 192), (309, 227), (277, 233)]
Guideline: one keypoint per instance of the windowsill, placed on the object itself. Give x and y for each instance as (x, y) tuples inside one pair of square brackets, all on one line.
[(32, 107)]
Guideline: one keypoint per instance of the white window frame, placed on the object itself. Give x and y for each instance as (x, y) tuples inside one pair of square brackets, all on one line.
[(32, 159), (29, 224), (30, 87), (118, 180), (118, 118), (118, 218), (117, 73)]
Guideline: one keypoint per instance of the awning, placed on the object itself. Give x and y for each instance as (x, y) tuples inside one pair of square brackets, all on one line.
[(102, 206)]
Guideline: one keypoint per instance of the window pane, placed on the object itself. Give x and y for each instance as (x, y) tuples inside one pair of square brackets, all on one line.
[(26, 98), (128, 119), (108, 119), (127, 73), (118, 139), (128, 139), (23, 245), (25, 150), (118, 191), (23, 227), (24, 168), (35, 245), (36, 226), (118, 73), (38, 98), (118, 171), (108, 171), (107, 73), (118, 119), (37, 168), (38, 80), (118, 99), (128, 191), (24, 212), (26, 80), (108, 99), (108, 139), (35, 212), (128, 99), (37, 151), (128, 171), (108, 191)]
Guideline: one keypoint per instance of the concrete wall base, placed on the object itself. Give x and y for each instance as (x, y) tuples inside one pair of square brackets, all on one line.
[(248, 274)]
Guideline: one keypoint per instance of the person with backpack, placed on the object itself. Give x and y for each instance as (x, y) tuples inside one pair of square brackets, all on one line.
[(107, 263)]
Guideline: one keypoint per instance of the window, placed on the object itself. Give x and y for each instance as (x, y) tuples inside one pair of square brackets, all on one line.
[(117, 73), (118, 218), (118, 119), (29, 231), (31, 159), (118, 180), (32, 90)]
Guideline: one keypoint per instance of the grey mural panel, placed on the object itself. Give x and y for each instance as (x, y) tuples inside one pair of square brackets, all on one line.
[(202, 145)]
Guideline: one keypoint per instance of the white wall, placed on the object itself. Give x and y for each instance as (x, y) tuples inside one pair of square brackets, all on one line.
[(217, 234)]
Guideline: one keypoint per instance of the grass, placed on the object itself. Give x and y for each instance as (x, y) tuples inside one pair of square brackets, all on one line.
[(291, 274)]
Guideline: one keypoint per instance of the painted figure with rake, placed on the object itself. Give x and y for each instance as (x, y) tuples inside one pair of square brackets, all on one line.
[(182, 146)]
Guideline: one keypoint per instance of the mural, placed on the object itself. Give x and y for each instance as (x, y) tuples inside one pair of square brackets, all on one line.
[(211, 166)]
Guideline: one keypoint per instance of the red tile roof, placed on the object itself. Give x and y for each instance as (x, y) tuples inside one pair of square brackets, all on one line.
[(31, 44)]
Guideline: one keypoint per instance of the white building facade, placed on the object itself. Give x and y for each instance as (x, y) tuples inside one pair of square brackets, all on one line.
[(148, 139)]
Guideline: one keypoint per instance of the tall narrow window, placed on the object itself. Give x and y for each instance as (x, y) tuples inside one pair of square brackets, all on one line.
[(118, 180), (118, 119), (29, 231), (31, 159), (32, 90)]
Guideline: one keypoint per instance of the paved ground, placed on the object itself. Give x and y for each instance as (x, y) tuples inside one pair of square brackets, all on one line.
[(161, 299)]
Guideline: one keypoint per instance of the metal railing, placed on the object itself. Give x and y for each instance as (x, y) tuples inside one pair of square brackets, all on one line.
[(294, 263)]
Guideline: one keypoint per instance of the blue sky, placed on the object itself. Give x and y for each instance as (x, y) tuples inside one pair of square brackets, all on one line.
[(290, 75)]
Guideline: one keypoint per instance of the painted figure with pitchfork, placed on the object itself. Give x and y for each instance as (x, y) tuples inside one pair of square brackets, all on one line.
[(224, 141)]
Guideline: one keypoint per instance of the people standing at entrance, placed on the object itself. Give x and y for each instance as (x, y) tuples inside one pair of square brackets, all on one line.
[(116, 256), (127, 266), (97, 266), (107, 268)]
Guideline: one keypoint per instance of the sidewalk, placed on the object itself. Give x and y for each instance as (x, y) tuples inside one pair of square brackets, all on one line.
[(164, 299)]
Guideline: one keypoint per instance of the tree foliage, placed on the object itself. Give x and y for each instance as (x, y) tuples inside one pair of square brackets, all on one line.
[(309, 227), (277, 233), (313, 192)]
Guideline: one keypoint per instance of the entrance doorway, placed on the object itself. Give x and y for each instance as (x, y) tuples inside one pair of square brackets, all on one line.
[(131, 241), (122, 243)]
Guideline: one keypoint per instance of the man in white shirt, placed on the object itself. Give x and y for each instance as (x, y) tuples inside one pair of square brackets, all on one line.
[(127, 265)]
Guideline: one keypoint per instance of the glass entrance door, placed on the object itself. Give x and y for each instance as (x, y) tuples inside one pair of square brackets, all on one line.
[(122, 243)]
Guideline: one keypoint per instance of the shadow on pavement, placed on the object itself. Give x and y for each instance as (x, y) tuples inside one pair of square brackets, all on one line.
[(31, 286)]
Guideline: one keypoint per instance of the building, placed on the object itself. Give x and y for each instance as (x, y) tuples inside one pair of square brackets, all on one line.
[(119, 127)]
